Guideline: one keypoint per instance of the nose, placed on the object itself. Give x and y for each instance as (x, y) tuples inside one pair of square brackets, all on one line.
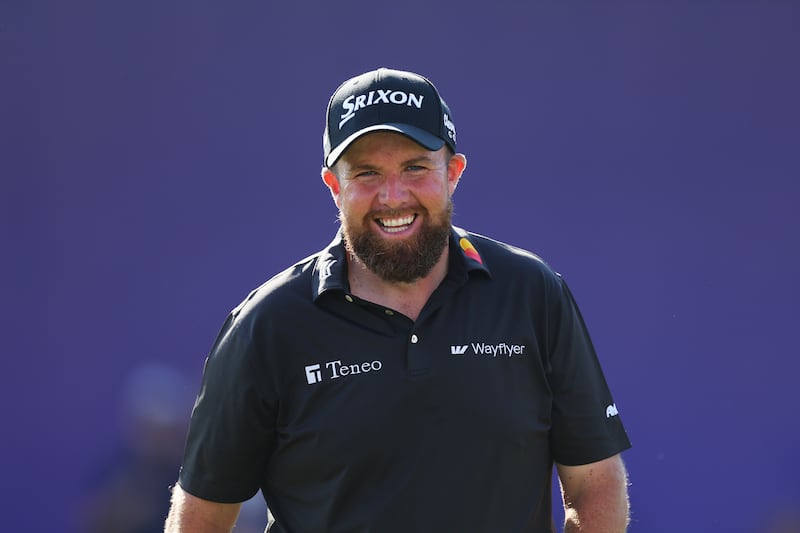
[(393, 191)]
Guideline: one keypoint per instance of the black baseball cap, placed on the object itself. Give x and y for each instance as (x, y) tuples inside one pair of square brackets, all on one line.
[(387, 100)]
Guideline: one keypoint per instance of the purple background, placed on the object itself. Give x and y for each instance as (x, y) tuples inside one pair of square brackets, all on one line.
[(160, 160)]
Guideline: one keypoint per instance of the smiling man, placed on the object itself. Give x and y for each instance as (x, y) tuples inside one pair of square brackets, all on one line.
[(410, 377), (405, 224)]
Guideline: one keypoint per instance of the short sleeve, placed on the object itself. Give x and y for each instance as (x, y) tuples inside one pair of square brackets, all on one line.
[(586, 426), (232, 427)]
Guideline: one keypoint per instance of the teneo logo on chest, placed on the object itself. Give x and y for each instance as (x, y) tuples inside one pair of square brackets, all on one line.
[(336, 370), (484, 348), (353, 103)]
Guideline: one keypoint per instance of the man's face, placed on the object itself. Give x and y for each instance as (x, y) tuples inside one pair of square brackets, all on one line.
[(394, 203)]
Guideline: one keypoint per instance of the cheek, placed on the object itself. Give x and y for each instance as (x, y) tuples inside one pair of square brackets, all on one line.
[(354, 194), (436, 193), (350, 203)]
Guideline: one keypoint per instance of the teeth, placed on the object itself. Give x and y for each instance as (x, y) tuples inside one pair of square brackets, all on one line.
[(396, 224)]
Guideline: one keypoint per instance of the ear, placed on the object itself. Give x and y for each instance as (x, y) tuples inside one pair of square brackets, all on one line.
[(332, 182), (455, 167)]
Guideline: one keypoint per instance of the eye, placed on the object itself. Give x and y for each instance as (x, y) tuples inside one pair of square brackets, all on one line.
[(417, 169), (365, 176)]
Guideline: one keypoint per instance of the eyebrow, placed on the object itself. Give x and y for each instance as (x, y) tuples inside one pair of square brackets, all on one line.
[(420, 159), (407, 162)]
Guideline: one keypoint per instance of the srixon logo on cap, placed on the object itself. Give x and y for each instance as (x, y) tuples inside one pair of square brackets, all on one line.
[(355, 102)]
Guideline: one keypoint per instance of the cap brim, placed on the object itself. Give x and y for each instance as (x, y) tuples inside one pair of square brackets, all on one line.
[(420, 136)]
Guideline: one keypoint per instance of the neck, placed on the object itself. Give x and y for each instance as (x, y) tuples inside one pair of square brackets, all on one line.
[(406, 297)]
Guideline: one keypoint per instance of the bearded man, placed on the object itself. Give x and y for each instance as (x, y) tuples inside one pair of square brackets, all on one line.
[(410, 377)]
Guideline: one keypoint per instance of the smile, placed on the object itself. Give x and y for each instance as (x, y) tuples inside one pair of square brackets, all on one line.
[(395, 225)]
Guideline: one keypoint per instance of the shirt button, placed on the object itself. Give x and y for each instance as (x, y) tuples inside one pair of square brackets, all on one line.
[(348, 298), (414, 339), (389, 312)]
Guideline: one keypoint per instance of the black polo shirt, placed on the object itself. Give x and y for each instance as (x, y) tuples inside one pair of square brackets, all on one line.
[(351, 417)]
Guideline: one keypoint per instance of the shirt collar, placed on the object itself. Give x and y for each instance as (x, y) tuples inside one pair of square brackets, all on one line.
[(330, 272)]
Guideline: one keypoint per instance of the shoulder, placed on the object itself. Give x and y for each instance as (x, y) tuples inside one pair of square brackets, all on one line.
[(285, 289), (508, 261), (287, 293)]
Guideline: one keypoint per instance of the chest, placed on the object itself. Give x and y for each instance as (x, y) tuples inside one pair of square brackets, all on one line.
[(377, 382)]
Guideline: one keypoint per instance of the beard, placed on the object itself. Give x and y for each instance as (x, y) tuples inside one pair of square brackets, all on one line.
[(399, 261)]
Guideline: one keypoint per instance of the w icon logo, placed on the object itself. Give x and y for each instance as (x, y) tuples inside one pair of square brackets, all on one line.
[(458, 350)]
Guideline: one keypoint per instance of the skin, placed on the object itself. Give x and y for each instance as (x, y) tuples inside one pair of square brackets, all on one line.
[(383, 172), (192, 514), (387, 171), (595, 496)]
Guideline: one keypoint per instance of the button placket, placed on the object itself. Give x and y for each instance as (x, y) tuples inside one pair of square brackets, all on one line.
[(418, 363)]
